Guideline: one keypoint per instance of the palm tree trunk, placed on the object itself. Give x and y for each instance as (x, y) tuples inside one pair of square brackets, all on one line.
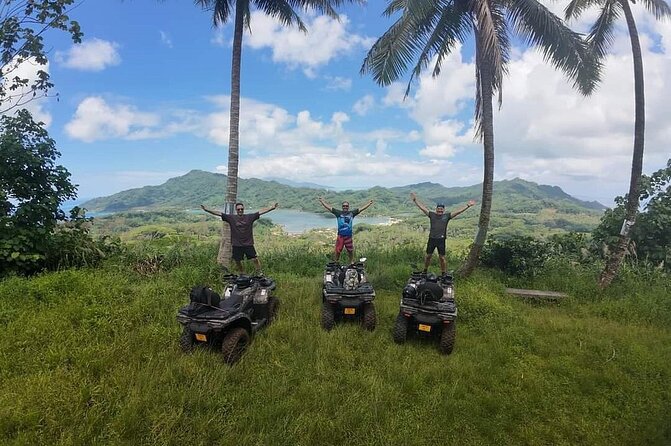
[(486, 92), (616, 258), (225, 249)]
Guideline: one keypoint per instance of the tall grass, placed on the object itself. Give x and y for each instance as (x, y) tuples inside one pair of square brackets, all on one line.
[(90, 356)]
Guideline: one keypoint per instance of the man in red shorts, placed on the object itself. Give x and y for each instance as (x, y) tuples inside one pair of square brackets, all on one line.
[(345, 220)]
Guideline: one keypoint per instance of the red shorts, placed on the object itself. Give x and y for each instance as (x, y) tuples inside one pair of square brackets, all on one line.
[(344, 241)]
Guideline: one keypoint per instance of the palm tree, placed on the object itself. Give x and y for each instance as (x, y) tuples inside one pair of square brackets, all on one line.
[(284, 11), (428, 30), (599, 40)]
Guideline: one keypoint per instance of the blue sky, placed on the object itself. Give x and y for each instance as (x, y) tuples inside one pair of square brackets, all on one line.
[(145, 98)]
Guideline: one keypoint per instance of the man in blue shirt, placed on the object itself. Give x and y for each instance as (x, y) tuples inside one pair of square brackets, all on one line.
[(345, 219)]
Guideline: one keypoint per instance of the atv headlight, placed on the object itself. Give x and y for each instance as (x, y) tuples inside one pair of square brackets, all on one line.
[(328, 277), (449, 292)]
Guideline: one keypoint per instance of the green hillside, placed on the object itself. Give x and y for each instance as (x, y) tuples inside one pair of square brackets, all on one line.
[(196, 187)]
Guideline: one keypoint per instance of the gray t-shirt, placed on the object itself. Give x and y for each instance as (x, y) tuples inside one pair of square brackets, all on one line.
[(241, 228), (438, 227)]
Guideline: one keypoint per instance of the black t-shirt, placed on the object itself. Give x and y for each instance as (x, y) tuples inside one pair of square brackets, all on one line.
[(438, 227), (241, 228)]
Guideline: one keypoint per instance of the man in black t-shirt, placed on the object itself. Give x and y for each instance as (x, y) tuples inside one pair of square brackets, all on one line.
[(242, 236), (437, 230)]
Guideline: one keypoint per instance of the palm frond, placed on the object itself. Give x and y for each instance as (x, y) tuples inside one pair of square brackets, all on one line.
[(601, 34), (502, 32), (659, 8), (221, 10), (454, 25), (576, 7), (323, 6), (282, 11), (561, 46), (395, 50), (493, 50), (395, 6)]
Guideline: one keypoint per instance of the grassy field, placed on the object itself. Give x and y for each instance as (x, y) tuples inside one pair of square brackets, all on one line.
[(91, 357)]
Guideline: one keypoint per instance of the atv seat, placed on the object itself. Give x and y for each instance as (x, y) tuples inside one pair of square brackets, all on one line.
[(233, 302)]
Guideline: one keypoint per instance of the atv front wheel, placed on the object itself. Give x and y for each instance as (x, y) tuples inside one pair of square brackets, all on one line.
[(447, 337), (273, 305), (400, 329), (328, 316), (234, 344), (369, 317), (186, 341)]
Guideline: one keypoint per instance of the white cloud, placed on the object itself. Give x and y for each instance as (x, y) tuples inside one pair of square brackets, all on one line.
[(165, 39), (364, 105), (91, 55), (102, 183), (338, 83), (325, 40), (96, 120)]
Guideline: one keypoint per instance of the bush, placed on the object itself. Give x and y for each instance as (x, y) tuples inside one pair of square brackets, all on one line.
[(516, 255)]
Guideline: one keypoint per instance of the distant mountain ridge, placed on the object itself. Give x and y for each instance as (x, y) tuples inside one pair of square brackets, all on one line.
[(200, 187)]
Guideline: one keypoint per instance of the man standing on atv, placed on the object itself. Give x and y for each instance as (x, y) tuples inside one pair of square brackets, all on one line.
[(345, 221), (437, 230), (242, 236)]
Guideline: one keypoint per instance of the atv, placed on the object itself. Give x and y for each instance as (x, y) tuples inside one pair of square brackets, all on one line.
[(428, 308), (347, 294), (248, 305)]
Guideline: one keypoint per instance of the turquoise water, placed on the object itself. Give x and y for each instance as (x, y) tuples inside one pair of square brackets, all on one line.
[(297, 222)]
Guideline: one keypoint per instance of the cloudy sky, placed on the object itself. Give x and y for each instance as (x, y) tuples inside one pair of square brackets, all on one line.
[(145, 97)]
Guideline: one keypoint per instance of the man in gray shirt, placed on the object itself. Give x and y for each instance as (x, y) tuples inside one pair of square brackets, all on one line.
[(242, 236), (437, 230)]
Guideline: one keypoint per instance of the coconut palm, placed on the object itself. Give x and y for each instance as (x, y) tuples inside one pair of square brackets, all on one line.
[(240, 10), (428, 30), (599, 40)]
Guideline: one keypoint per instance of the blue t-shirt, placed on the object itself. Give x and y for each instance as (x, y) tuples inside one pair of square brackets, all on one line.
[(345, 221)]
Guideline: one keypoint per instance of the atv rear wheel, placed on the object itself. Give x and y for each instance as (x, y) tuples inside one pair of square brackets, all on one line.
[(369, 317), (400, 329), (447, 337), (186, 341), (273, 306), (234, 344), (328, 316)]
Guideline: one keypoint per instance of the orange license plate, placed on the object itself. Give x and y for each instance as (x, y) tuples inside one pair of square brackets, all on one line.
[(201, 337), (423, 327), (350, 310)]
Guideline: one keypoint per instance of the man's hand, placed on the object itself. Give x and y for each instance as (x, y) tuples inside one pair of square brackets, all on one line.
[(413, 196), (275, 205), (471, 203), (202, 206)]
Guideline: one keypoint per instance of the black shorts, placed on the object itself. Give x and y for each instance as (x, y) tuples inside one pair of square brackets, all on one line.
[(434, 243), (240, 252)]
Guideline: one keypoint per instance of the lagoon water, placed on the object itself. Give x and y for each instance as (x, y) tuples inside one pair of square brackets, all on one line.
[(297, 222)]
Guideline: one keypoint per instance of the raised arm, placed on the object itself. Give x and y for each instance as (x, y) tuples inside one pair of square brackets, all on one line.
[(468, 205), (326, 205), (419, 204), (366, 206), (210, 211), (268, 209)]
